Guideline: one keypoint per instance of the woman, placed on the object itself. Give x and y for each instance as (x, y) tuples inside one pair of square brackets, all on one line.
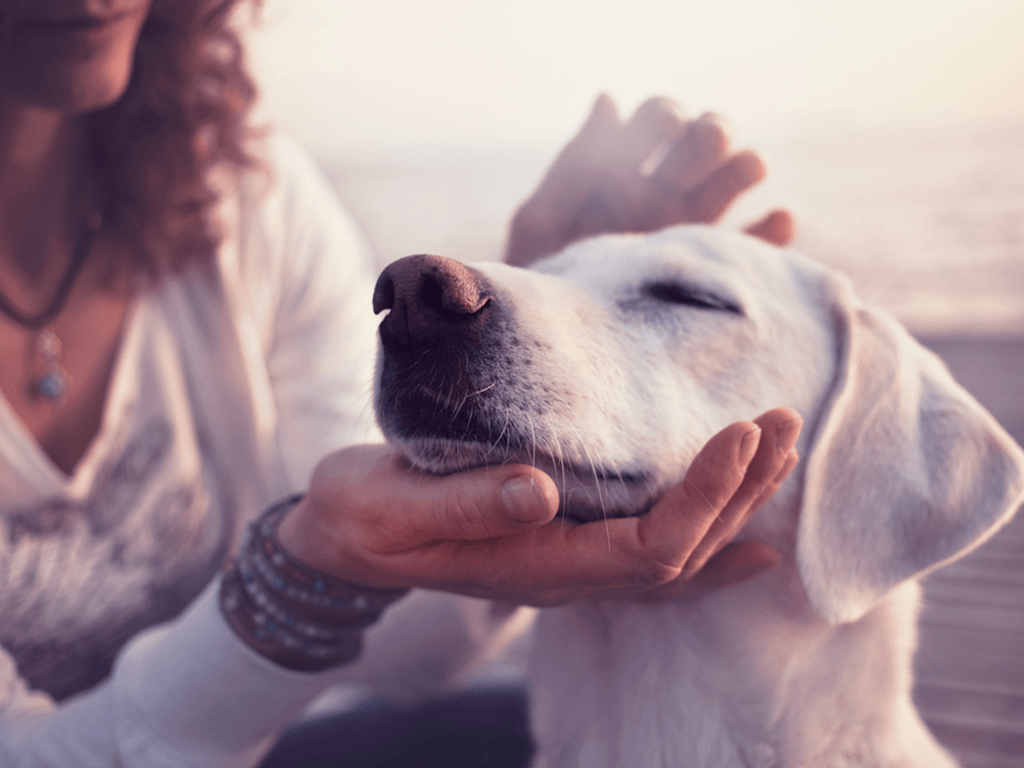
[(185, 334)]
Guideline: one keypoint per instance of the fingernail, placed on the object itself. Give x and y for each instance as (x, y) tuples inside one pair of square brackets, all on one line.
[(786, 435), (748, 446), (522, 500)]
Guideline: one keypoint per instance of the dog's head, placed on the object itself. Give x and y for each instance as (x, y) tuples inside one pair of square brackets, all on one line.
[(609, 365)]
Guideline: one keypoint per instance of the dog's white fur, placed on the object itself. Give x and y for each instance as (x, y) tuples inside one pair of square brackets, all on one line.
[(617, 388)]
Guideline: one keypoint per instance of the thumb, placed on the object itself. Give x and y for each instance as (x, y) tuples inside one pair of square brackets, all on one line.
[(483, 503)]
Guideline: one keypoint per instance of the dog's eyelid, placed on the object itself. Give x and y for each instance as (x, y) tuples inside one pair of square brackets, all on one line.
[(677, 292)]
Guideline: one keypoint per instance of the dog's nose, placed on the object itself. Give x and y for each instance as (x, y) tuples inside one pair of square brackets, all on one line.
[(429, 296)]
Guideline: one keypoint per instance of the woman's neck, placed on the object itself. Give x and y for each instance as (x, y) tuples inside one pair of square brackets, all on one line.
[(38, 154)]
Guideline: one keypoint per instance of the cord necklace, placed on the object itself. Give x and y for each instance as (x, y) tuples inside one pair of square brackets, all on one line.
[(52, 381)]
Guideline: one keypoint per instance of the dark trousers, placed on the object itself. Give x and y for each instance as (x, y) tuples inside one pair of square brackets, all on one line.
[(478, 729)]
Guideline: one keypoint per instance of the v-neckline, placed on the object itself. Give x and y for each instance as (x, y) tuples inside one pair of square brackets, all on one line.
[(32, 460)]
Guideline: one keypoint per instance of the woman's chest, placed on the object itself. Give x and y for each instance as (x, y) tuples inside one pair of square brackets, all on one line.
[(56, 379), (137, 531)]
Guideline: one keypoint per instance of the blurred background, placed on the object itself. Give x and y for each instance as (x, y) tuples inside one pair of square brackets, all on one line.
[(893, 129)]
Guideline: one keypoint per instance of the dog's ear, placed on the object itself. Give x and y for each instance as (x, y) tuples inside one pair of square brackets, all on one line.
[(906, 470)]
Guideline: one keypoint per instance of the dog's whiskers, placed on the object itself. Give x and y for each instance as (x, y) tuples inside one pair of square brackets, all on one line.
[(533, 445), (497, 441), (462, 402), (481, 391), (559, 459), (600, 494)]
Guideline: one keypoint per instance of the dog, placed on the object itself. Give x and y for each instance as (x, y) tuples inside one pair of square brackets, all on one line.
[(608, 366)]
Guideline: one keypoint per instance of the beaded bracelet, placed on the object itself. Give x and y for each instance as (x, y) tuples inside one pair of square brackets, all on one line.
[(295, 616)]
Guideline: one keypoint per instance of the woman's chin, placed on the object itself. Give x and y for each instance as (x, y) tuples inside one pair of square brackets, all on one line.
[(71, 71), (70, 90)]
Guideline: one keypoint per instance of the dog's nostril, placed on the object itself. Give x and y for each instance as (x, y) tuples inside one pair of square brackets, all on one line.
[(383, 294), (452, 296)]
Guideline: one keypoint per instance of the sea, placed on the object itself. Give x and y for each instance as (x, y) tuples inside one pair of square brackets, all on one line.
[(928, 222)]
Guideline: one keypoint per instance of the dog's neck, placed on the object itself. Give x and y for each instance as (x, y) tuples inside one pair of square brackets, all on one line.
[(747, 675)]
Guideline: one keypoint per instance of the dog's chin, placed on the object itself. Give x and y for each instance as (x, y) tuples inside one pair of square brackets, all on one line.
[(585, 495), (441, 456)]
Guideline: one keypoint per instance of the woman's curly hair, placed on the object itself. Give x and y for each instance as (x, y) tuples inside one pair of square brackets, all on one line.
[(183, 115)]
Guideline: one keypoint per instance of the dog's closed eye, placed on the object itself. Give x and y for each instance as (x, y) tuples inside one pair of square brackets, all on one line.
[(690, 295)]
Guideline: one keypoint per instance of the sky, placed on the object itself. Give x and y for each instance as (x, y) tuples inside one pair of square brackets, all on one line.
[(483, 74)]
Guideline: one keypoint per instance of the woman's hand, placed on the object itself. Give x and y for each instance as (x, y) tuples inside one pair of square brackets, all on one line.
[(655, 170), (371, 519)]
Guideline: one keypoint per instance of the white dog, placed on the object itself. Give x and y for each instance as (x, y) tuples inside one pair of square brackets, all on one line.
[(609, 366)]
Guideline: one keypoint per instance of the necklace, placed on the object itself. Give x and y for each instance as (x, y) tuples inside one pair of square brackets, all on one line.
[(52, 381)]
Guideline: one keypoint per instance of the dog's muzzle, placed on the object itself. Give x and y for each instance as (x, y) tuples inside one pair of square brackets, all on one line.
[(458, 387), (441, 338)]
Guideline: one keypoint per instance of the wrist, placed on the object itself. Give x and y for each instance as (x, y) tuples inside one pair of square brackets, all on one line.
[(296, 616), (299, 541), (303, 535)]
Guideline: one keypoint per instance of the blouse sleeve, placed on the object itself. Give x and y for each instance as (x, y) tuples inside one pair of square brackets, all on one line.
[(187, 694)]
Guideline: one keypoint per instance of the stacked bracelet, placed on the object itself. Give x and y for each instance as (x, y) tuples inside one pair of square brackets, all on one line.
[(295, 616)]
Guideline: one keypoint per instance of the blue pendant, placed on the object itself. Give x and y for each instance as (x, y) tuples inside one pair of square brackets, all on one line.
[(53, 386)]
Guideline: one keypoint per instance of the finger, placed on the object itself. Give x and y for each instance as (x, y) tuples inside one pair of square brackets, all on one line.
[(602, 121), (736, 563), (776, 228), (568, 181), (699, 151), (680, 519), (596, 184), (774, 459), (656, 123), (482, 503), (383, 505), (719, 534), (710, 199), (622, 198), (792, 459), (556, 562), (542, 224)]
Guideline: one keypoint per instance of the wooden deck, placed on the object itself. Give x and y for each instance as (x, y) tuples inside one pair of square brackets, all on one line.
[(970, 666)]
